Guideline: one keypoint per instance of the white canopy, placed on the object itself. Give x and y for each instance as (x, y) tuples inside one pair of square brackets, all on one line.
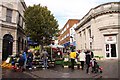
[(56, 46)]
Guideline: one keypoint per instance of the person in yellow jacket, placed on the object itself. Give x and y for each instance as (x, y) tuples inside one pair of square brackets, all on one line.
[(72, 57)]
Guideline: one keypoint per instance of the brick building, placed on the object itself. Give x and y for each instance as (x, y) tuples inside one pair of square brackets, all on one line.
[(64, 38)]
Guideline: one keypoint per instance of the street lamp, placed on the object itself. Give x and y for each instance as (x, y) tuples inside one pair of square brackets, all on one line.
[(71, 46), (51, 47)]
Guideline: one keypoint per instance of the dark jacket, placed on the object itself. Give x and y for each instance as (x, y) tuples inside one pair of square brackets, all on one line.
[(88, 58), (30, 57), (21, 61), (92, 55)]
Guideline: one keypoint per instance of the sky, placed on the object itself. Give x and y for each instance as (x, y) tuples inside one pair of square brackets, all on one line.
[(63, 10)]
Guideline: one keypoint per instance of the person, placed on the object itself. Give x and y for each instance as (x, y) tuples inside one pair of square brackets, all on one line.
[(77, 56), (21, 62), (72, 57), (92, 55), (45, 57), (29, 59), (81, 58), (37, 53), (88, 58), (94, 65), (25, 58)]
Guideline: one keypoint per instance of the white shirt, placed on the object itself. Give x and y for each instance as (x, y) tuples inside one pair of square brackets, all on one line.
[(81, 56)]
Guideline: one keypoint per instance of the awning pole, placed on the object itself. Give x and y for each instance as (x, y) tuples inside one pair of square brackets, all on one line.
[(51, 53)]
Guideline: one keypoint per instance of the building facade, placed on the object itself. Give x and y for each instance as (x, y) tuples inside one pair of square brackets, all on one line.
[(99, 30), (64, 38), (12, 36), (73, 35)]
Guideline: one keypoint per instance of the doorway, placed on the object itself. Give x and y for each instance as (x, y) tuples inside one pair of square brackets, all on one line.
[(7, 46), (111, 51)]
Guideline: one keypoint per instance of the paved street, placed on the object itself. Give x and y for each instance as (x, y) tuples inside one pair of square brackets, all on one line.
[(110, 70)]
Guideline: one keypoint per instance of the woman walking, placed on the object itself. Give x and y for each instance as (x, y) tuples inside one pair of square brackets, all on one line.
[(81, 58)]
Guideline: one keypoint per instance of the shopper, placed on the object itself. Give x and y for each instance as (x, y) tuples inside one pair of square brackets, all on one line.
[(45, 58), (29, 59), (88, 58), (92, 54), (72, 56), (81, 58), (21, 62), (25, 58)]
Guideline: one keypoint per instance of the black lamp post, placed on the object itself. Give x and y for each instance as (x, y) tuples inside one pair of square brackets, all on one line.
[(71, 46)]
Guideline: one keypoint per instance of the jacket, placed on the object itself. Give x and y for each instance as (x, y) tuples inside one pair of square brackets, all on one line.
[(73, 55), (81, 56)]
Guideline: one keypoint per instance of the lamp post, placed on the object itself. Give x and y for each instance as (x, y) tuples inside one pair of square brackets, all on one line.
[(71, 46), (51, 47)]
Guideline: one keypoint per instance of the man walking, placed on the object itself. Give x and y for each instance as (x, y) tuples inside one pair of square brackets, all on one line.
[(29, 59), (72, 56), (45, 57), (88, 58)]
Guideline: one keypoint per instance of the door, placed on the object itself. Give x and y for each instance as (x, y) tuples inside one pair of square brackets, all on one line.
[(7, 46), (111, 51)]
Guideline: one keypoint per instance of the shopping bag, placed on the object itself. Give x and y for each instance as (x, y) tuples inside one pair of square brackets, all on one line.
[(8, 60), (76, 60)]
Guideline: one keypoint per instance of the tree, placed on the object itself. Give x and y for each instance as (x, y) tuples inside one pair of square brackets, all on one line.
[(40, 24)]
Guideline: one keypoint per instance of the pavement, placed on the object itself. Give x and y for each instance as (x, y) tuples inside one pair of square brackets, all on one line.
[(110, 70)]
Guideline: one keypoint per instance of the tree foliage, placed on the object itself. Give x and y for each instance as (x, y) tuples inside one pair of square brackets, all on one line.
[(40, 24)]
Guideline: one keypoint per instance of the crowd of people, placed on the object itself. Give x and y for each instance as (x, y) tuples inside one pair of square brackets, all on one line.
[(25, 58), (84, 57)]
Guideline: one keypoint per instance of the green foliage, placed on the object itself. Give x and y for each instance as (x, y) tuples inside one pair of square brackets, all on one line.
[(37, 48), (59, 62), (40, 23)]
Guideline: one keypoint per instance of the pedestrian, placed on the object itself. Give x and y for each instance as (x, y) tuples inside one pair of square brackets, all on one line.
[(45, 58), (81, 58), (78, 61), (25, 58), (37, 53), (72, 57), (92, 54), (29, 59), (21, 62), (88, 58)]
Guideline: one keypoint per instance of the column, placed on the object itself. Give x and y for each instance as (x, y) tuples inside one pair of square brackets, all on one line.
[(0, 48), (15, 43)]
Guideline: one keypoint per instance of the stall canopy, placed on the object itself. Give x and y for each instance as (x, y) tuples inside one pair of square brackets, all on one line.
[(56, 46)]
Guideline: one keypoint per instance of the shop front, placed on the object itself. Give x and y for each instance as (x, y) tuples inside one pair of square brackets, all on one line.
[(111, 47)]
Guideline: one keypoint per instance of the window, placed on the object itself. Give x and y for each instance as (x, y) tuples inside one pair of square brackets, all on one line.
[(19, 19), (89, 33), (9, 15), (80, 34), (67, 25), (90, 45), (84, 35)]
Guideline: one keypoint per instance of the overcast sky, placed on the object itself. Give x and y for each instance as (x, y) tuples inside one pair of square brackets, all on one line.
[(68, 9)]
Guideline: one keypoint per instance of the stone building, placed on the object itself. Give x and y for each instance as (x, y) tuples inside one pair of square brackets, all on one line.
[(12, 36), (99, 30)]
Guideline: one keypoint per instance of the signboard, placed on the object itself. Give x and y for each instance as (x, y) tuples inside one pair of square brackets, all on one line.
[(110, 39)]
